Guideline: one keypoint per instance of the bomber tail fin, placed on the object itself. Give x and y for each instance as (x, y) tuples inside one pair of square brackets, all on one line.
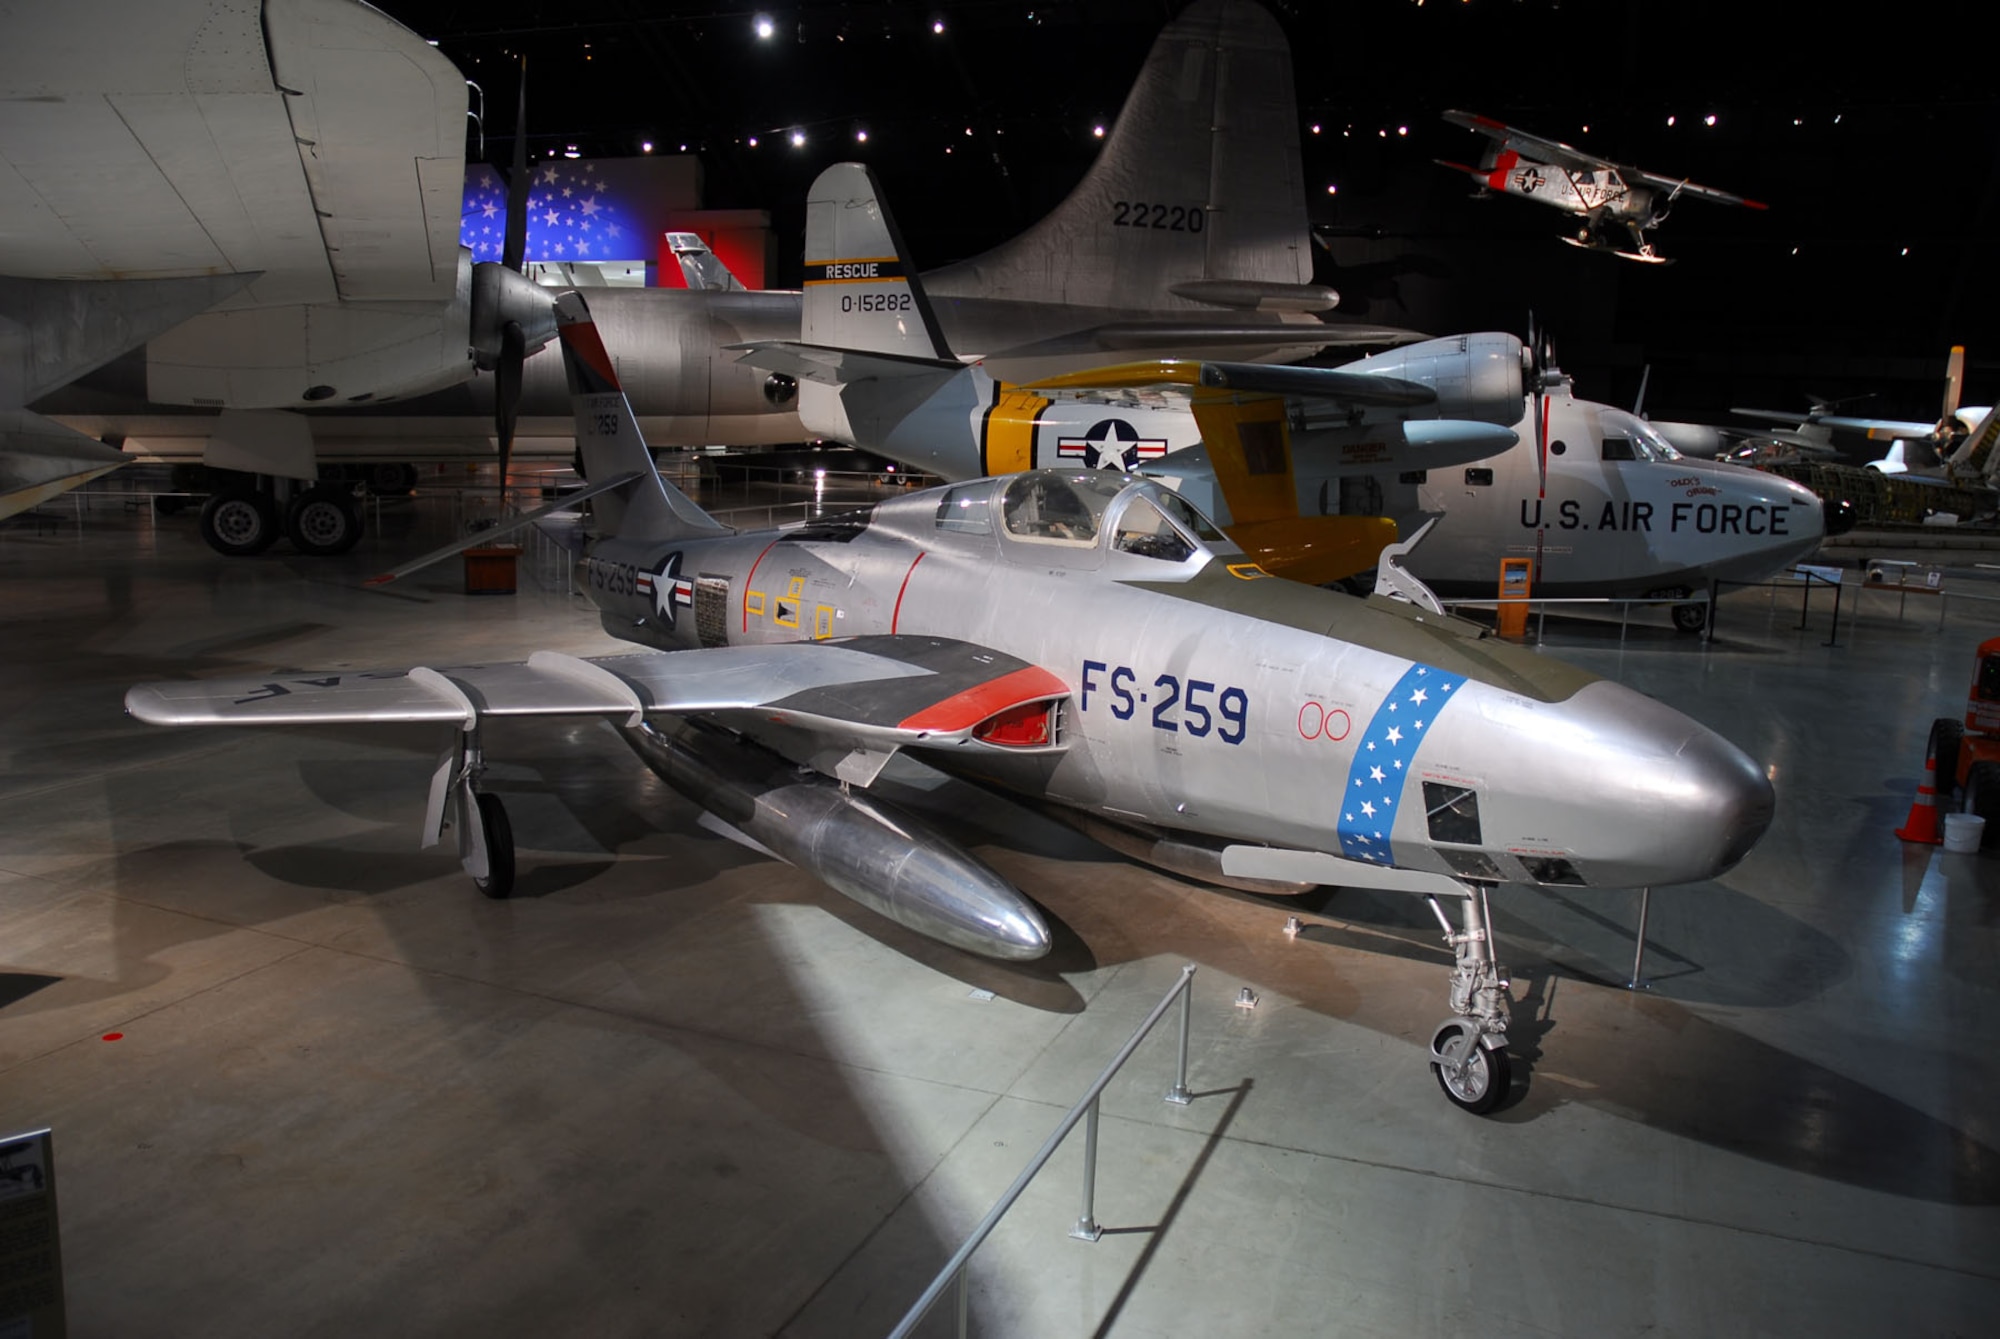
[(610, 444), (1199, 179)]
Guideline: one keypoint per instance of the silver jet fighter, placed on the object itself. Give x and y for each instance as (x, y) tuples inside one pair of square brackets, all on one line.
[(1088, 641)]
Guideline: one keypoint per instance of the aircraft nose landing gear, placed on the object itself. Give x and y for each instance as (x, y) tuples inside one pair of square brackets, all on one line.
[(1469, 1051)]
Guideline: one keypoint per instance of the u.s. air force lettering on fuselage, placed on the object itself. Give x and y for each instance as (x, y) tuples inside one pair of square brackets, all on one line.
[(1702, 518)]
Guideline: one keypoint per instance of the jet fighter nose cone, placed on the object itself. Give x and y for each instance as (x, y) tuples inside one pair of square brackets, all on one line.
[(1727, 796)]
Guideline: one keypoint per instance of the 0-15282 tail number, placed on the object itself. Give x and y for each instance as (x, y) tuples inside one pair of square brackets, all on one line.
[(1180, 707)]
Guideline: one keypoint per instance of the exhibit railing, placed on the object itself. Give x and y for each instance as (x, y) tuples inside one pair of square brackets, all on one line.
[(1540, 607), (953, 1275)]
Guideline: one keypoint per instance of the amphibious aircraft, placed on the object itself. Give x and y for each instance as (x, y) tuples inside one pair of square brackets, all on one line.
[(1619, 205), (1602, 504), (875, 370), (1017, 631), (1188, 234)]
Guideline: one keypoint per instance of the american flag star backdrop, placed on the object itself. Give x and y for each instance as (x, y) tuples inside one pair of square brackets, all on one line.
[(572, 215)]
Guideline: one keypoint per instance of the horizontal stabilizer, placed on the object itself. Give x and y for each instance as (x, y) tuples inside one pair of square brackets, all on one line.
[(1259, 295), (40, 458), (1218, 381), (838, 367), (564, 503), (53, 331)]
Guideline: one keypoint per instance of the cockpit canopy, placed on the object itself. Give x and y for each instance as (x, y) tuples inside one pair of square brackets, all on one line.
[(1084, 511)]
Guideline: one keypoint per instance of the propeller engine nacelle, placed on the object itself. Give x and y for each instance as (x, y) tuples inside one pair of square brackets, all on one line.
[(1478, 376)]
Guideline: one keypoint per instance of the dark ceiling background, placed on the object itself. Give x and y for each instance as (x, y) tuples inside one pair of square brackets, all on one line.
[(1872, 133)]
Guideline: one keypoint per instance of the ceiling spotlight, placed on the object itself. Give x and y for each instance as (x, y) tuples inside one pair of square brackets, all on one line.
[(765, 28), (937, 25), (753, 141), (1402, 130), (645, 146), (1670, 120), (1332, 189), (798, 139), (1097, 131), (1708, 120), (1315, 127), (569, 151), (861, 136)]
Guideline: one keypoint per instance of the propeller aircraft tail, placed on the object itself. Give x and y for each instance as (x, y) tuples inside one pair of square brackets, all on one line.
[(1199, 182)]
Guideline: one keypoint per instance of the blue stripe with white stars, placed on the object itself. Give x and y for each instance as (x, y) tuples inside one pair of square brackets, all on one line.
[(1382, 760)]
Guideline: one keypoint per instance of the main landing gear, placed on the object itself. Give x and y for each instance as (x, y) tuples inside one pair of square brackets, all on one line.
[(1469, 1050), (476, 818)]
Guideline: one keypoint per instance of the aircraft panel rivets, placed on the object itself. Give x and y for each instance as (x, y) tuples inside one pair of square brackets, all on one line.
[(1246, 998)]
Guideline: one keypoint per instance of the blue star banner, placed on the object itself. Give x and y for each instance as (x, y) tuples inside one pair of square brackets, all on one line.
[(1382, 760), (572, 215)]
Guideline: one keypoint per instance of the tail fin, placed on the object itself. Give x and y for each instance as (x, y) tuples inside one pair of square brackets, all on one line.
[(861, 289), (700, 268), (609, 442), (1199, 179)]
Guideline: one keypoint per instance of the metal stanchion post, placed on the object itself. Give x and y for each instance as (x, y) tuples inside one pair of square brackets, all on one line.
[(964, 1291), (1638, 981), (1178, 1094), (1086, 1228)]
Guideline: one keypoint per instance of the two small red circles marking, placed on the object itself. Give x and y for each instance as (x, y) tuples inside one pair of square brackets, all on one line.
[(1317, 722)]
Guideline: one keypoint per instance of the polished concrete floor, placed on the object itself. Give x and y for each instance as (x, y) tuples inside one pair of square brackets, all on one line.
[(673, 1088)]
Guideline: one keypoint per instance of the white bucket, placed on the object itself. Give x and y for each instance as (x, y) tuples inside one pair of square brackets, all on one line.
[(1962, 832)]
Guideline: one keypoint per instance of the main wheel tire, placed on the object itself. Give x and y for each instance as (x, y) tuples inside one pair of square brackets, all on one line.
[(1982, 797), (1690, 617), (323, 521), (1946, 734), (239, 522), (1483, 1083), (499, 880)]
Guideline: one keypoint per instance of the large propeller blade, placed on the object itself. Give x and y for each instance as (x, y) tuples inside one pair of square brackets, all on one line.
[(1541, 363), (1954, 382), (513, 339)]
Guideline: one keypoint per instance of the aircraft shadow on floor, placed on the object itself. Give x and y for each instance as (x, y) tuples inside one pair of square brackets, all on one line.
[(1664, 1065)]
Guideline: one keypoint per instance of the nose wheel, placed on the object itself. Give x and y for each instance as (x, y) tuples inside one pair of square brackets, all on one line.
[(1469, 1050), (1472, 1074)]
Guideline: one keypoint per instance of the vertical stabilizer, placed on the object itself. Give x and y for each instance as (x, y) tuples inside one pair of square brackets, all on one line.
[(609, 442), (860, 287), (1199, 179)]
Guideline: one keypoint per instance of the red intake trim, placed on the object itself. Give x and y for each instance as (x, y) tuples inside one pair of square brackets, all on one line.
[(1025, 727), (964, 710)]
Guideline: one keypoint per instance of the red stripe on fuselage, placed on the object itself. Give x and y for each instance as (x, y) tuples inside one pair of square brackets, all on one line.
[(898, 611), (962, 711), (752, 577)]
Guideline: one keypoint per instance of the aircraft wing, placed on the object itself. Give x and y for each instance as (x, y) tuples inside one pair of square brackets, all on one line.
[(1202, 381), (866, 695), (1675, 186), (1876, 429), (316, 143), (1533, 146)]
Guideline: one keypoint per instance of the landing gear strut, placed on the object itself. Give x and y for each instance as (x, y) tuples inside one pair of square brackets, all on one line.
[(1469, 1051), (479, 820)]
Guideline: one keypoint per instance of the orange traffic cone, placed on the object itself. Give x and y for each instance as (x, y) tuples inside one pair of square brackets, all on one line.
[(1922, 824)]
